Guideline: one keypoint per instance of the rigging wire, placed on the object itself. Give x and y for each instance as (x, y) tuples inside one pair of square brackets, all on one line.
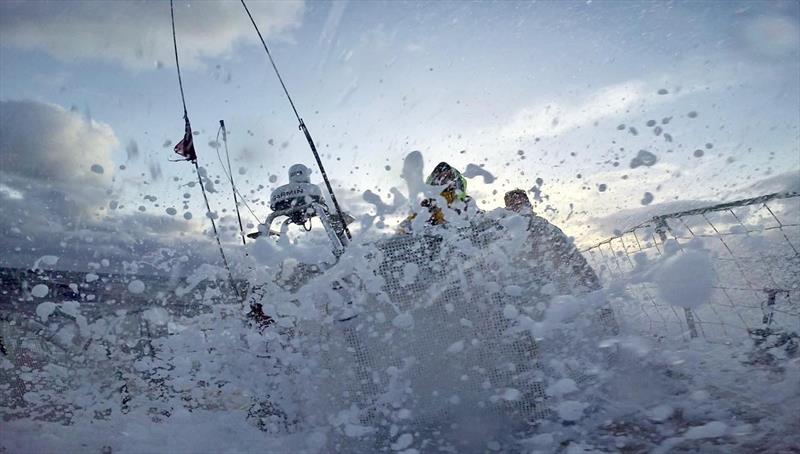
[(194, 161), (302, 125), (228, 174), (177, 63), (230, 177)]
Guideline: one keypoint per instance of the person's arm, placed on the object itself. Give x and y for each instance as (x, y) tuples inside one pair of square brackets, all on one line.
[(405, 226)]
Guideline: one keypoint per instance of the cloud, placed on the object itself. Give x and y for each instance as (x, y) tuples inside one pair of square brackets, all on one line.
[(557, 117), (553, 118), (773, 36), (782, 182), (624, 219), (47, 157), (51, 196), (43, 146), (41, 225), (138, 34), (621, 220)]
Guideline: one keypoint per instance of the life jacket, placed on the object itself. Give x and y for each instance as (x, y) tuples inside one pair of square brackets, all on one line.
[(436, 214), (455, 190)]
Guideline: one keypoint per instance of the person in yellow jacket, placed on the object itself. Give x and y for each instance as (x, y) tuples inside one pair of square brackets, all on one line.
[(454, 193)]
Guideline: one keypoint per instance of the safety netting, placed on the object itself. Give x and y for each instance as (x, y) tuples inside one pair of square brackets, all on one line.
[(447, 329), (728, 273)]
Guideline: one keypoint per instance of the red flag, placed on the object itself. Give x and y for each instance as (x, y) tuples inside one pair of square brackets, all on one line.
[(185, 147)]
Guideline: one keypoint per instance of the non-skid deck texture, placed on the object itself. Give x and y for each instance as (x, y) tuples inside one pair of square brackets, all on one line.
[(443, 334)]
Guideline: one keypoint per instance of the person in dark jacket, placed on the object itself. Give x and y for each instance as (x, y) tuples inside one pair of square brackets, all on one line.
[(552, 246)]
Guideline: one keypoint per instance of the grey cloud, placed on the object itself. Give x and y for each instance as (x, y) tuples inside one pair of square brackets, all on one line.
[(45, 148), (45, 141), (31, 229), (50, 197), (137, 33)]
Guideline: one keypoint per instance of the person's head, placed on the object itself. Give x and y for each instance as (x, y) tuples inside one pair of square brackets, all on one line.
[(455, 185), (517, 201)]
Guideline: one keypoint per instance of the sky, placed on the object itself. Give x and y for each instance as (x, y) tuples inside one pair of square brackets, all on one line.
[(619, 109)]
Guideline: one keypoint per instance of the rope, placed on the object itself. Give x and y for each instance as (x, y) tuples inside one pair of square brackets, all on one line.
[(216, 234), (275, 67), (244, 201), (302, 126), (230, 176), (196, 166), (235, 189), (177, 63)]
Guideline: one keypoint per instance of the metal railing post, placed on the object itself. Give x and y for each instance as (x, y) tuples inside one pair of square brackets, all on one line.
[(661, 229)]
